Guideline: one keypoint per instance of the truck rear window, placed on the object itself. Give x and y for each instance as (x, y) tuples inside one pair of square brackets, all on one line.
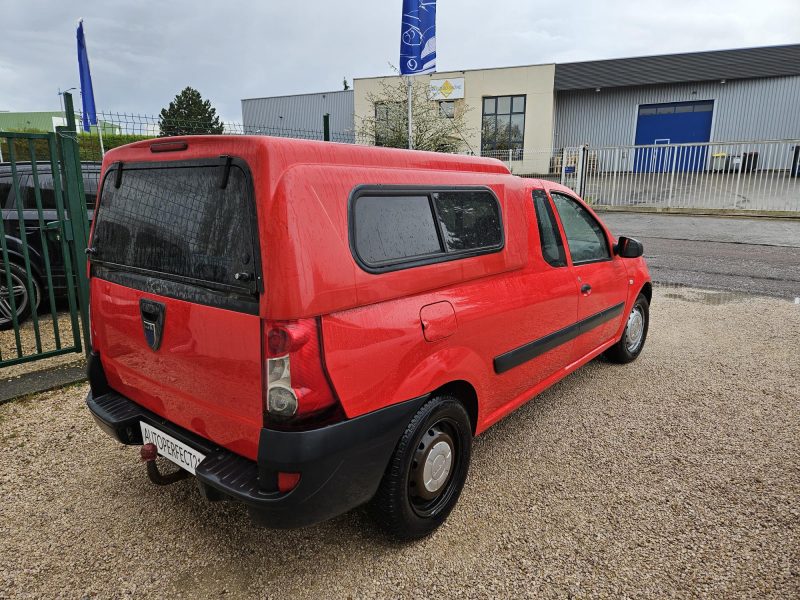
[(178, 221)]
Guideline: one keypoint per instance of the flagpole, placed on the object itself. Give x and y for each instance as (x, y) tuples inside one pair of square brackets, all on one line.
[(410, 127)]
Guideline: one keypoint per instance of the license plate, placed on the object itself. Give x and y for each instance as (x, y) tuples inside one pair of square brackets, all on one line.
[(172, 449)]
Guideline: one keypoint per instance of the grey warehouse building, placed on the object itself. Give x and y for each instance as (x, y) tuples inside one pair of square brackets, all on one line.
[(729, 95), (301, 115)]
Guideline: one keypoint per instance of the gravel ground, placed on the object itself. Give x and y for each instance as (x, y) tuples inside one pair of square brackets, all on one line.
[(8, 345), (677, 475)]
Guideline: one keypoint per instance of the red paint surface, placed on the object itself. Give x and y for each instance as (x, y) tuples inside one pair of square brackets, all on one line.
[(207, 376), (438, 321)]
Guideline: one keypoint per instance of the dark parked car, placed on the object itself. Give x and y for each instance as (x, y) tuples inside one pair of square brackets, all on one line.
[(38, 244)]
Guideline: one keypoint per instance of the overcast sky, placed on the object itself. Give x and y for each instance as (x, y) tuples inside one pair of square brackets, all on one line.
[(143, 52)]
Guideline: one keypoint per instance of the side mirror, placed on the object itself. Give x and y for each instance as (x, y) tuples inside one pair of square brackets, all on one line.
[(629, 248)]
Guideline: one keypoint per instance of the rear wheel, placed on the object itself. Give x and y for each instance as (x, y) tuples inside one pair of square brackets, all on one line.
[(635, 334), (22, 300), (426, 472)]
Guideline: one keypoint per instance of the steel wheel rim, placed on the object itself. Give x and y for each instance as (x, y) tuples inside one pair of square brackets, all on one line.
[(20, 298), (433, 468), (634, 330)]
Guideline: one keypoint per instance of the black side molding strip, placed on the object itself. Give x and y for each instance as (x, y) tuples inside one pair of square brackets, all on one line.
[(517, 356)]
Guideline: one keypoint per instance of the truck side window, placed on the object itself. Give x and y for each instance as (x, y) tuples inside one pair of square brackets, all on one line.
[(585, 237), (396, 229), (549, 235), (470, 220)]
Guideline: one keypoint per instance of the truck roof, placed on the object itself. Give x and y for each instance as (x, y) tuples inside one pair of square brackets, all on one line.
[(289, 151)]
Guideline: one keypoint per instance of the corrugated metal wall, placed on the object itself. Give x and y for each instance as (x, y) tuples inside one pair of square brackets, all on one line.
[(744, 110), (302, 113), (739, 63)]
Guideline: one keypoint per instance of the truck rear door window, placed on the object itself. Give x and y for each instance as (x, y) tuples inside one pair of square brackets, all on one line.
[(178, 222), (395, 229)]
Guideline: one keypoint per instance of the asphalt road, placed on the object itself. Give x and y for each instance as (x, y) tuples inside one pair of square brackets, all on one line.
[(749, 255)]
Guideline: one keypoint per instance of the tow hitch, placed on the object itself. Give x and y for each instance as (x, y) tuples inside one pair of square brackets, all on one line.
[(148, 454)]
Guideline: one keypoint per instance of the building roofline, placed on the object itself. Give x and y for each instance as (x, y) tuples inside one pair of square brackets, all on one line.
[(350, 91), (619, 61), (708, 65), (676, 54), (548, 64)]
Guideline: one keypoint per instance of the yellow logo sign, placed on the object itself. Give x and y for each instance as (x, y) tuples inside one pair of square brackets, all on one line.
[(446, 89)]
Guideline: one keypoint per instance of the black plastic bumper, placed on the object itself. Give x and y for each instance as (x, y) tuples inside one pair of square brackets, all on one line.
[(340, 465)]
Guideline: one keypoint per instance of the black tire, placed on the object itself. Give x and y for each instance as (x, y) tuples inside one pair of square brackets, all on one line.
[(628, 348), (398, 506), (19, 283)]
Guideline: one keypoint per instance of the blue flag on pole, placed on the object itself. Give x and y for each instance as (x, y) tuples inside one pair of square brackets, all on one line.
[(418, 37), (87, 93)]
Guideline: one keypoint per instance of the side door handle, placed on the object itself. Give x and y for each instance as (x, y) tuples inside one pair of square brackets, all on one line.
[(586, 289)]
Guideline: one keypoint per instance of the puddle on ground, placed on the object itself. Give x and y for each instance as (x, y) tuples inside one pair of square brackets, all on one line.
[(690, 293)]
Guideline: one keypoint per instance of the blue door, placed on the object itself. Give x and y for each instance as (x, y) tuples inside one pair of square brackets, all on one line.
[(672, 123)]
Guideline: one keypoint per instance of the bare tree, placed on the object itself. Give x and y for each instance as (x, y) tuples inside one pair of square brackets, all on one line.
[(439, 127)]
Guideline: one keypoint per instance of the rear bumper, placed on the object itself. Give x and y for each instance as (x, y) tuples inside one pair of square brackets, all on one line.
[(340, 465)]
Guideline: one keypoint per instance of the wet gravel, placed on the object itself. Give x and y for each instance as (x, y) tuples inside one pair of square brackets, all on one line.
[(677, 475)]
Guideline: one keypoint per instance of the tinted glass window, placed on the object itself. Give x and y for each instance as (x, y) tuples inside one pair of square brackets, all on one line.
[(24, 190), (549, 235), (392, 228), (45, 192), (470, 219), (90, 185), (177, 221), (5, 193), (585, 238)]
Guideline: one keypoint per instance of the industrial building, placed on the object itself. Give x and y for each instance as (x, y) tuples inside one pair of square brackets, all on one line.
[(301, 115), (524, 114), (729, 95)]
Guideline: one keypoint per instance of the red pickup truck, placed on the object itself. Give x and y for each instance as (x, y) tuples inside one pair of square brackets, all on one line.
[(307, 327)]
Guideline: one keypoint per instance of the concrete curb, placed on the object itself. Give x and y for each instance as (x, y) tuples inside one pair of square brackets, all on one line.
[(714, 212), (41, 381)]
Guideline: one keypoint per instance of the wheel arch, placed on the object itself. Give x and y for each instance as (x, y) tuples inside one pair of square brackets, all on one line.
[(466, 394), (647, 291)]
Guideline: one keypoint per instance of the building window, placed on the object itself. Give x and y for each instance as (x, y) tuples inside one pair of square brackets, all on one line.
[(391, 123), (447, 108), (503, 125)]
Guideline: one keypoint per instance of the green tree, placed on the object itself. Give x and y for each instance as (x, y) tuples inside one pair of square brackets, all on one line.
[(437, 126), (189, 114), (345, 84)]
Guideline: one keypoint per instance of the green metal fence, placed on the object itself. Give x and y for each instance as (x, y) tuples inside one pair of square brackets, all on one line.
[(43, 281)]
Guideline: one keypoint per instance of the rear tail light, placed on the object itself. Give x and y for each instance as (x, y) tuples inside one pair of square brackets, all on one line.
[(298, 393)]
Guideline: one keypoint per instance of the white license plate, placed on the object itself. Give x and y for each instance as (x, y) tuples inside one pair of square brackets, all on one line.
[(168, 447)]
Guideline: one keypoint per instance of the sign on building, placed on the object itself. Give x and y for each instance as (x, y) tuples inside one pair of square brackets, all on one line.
[(447, 89)]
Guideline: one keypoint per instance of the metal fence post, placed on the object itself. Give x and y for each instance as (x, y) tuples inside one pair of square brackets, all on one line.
[(326, 127), (579, 171), (672, 175), (76, 209)]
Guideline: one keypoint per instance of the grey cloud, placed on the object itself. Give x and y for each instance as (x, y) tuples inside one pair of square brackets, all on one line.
[(142, 53)]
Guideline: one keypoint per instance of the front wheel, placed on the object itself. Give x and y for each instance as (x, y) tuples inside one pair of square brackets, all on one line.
[(427, 471), (635, 334)]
